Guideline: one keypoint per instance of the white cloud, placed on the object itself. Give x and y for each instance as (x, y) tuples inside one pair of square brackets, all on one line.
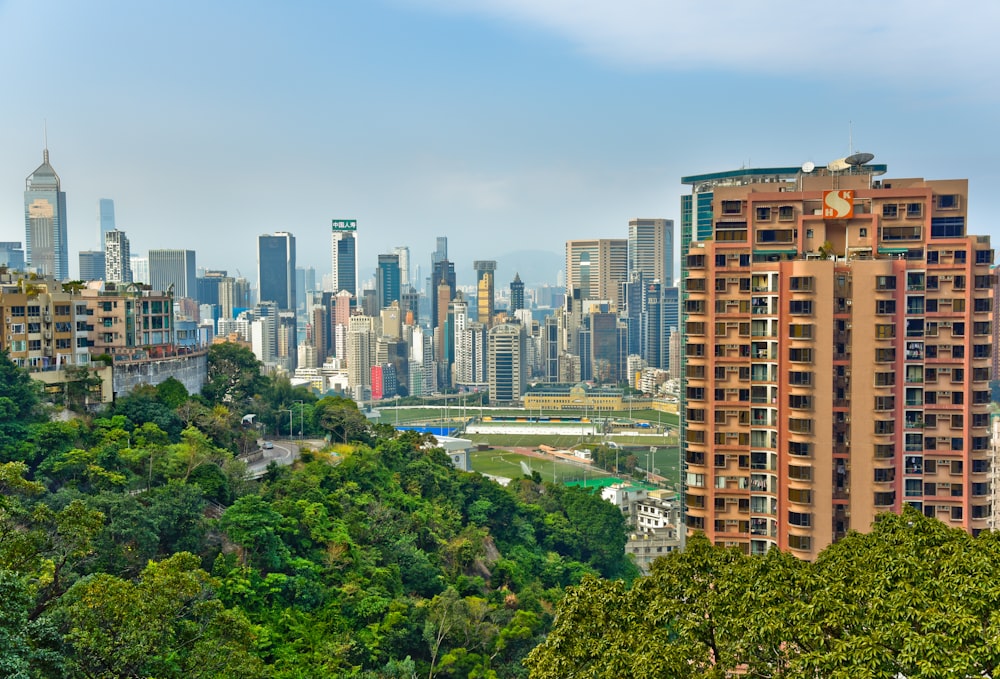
[(910, 39)]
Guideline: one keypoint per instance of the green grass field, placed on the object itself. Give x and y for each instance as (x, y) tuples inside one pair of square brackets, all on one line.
[(499, 462)]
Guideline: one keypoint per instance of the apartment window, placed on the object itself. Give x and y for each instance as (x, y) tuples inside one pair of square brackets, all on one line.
[(933, 257), (885, 330), (800, 355), (885, 475), (786, 212), (885, 306), (800, 448), (799, 472), (982, 328), (959, 281), (885, 379), (696, 393), (695, 306), (800, 542), (800, 425), (695, 350), (914, 210), (884, 427), (763, 214), (885, 402), (802, 496), (801, 283), (885, 355), (984, 256), (890, 211), (732, 207), (981, 351), (803, 331), (803, 519), (800, 306), (981, 304), (932, 282), (800, 401), (802, 378), (984, 282), (884, 499), (947, 201)]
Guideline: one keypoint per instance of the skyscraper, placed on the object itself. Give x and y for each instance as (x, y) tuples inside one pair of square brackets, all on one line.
[(506, 363), (12, 255), (651, 249), (92, 265), (404, 266), (344, 251), (516, 294), (140, 269), (105, 219), (276, 269), (597, 267), (387, 280), (836, 355), (117, 258), (485, 274), (45, 240), (173, 267)]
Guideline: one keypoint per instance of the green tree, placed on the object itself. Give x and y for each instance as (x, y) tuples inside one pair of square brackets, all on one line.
[(168, 624), (233, 375), (341, 418), (171, 393), (19, 404), (911, 598)]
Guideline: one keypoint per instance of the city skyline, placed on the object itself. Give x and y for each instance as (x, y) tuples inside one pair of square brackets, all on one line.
[(499, 125)]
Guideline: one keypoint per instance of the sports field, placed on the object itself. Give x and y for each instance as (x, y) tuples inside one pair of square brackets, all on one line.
[(507, 464)]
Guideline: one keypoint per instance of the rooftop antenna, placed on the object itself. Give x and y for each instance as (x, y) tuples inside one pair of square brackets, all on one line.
[(45, 132)]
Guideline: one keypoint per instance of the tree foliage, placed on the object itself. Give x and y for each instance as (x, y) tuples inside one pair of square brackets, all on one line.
[(913, 599)]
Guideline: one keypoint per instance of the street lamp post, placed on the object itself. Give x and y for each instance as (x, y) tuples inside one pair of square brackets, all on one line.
[(301, 417), (290, 425)]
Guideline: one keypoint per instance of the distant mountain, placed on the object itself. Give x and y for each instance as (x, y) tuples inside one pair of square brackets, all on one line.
[(536, 267)]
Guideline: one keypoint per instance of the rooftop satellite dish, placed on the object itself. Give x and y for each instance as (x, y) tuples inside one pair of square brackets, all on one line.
[(859, 159), (808, 166), (838, 165)]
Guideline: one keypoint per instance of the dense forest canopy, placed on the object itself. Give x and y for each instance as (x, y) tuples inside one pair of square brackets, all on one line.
[(134, 544)]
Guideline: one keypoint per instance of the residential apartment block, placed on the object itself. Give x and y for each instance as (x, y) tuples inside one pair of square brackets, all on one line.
[(837, 354)]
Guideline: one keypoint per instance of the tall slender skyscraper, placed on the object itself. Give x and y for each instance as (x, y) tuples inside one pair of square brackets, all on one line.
[(105, 219), (485, 273), (404, 266), (117, 258), (45, 240), (344, 250), (387, 280), (276, 269), (92, 265), (516, 294)]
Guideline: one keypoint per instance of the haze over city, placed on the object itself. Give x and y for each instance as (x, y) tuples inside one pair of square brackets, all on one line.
[(501, 124)]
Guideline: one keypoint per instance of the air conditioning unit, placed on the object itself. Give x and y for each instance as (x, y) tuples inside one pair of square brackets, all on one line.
[(733, 280), (947, 278)]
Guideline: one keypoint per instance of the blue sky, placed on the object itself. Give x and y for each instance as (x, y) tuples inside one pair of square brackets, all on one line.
[(502, 124)]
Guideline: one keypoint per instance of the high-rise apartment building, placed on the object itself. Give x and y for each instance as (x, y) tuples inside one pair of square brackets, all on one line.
[(276, 269), (344, 252), (837, 333), (507, 375), (117, 257), (597, 267), (651, 249), (173, 267), (45, 239)]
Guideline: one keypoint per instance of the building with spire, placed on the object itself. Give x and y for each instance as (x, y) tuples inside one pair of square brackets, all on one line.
[(46, 248), (516, 294)]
